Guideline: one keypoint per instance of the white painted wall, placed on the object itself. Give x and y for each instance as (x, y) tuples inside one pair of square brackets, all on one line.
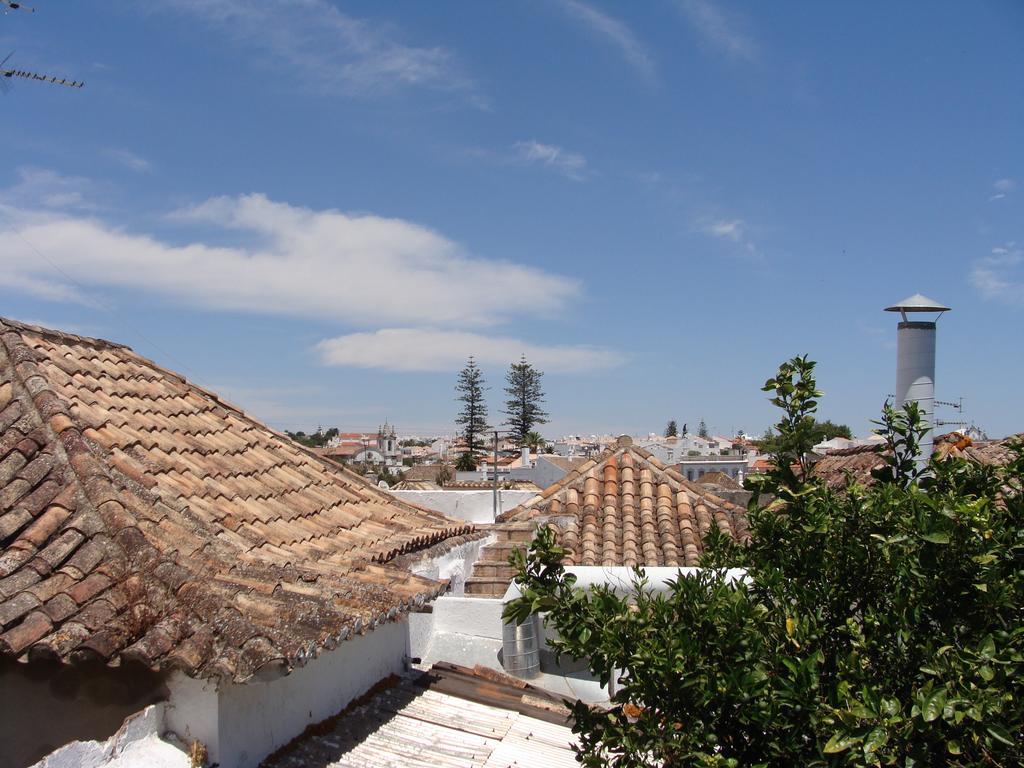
[(471, 506), (455, 564), (242, 723), (191, 712), (474, 616)]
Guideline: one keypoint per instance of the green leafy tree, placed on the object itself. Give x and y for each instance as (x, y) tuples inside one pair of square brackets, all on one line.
[(466, 463), (525, 396), (671, 430), (534, 442), (473, 417), (702, 429), (876, 625)]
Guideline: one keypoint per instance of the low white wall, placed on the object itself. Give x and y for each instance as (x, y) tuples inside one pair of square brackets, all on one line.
[(471, 506), (473, 616), (455, 565), (243, 723), (190, 712)]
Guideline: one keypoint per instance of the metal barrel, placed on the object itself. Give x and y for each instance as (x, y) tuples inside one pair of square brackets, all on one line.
[(520, 648)]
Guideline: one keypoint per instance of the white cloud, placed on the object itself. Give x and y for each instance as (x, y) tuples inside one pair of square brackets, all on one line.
[(1000, 275), (719, 29), (426, 349), (129, 160), (1002, 188), (613, 31), (733, 230), (570, 164), (318, 44), (283, 259), (43, 188)]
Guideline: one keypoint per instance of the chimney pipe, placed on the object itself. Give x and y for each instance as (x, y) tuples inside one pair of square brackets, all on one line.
[(915, 361)]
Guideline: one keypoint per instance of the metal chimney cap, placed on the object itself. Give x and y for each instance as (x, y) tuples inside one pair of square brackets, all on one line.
[(917, 303)]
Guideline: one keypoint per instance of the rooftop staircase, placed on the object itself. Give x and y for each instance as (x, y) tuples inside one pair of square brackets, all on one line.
[(491, 572)]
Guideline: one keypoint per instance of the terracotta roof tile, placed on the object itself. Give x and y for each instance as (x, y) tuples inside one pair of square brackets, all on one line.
[(142, 517), (627, 508)]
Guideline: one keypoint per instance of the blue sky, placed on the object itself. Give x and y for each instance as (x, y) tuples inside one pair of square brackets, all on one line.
[(320, 208)]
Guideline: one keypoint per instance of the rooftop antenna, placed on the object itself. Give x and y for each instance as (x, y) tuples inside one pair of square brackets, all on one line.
[(915, 360), (7, 74)]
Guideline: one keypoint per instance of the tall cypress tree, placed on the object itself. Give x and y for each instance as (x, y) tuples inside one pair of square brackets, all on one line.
[(473, 417), (523, 406)]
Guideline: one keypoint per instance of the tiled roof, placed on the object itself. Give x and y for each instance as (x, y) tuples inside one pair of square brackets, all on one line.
[(504, 483), (720, 479), (563, 462), (415, 485), (838, 468), (627, 508), (428, 472), (143, 518)]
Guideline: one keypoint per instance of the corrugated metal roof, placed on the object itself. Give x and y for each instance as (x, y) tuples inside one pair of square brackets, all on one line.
[(410, 726)]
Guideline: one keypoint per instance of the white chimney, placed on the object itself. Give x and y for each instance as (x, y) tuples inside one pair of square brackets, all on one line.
[(915, 359), (525, 457)]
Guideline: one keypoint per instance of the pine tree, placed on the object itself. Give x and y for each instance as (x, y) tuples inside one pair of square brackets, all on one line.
[(671, 430), (473, 418), (702, 430), (524, 399)]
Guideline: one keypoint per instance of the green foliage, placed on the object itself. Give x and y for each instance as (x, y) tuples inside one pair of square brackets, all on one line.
[(820, 432), (702, 429), (534, 442), (316, 440), (525, 396), (879, 625), (465, 463), (671, 430), (473, 416)]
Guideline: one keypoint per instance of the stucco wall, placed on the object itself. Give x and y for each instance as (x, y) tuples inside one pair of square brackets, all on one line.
[(257, 718), (455, 564), (474, 616), (242, 724), (471, 506)]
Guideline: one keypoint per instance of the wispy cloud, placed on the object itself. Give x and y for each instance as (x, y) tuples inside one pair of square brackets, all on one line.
[(570, 164), (732, 230), (428, 349), (294, 405), (129, 160), (615, 33), (43, 188), (720, 29), (330, 50), (1002, 188), (283, 260), (1000, 275)]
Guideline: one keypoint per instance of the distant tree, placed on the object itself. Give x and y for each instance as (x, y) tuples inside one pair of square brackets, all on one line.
[(819, 432), (473, 417), (686, 431), (672, 430), (465, 463), (310, 441), (523, 406), (444, 474), (702, 430), (534, 442), (826, 430)]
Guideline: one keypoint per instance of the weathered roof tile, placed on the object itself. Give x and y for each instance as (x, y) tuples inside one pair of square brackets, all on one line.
[(127, 494)]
